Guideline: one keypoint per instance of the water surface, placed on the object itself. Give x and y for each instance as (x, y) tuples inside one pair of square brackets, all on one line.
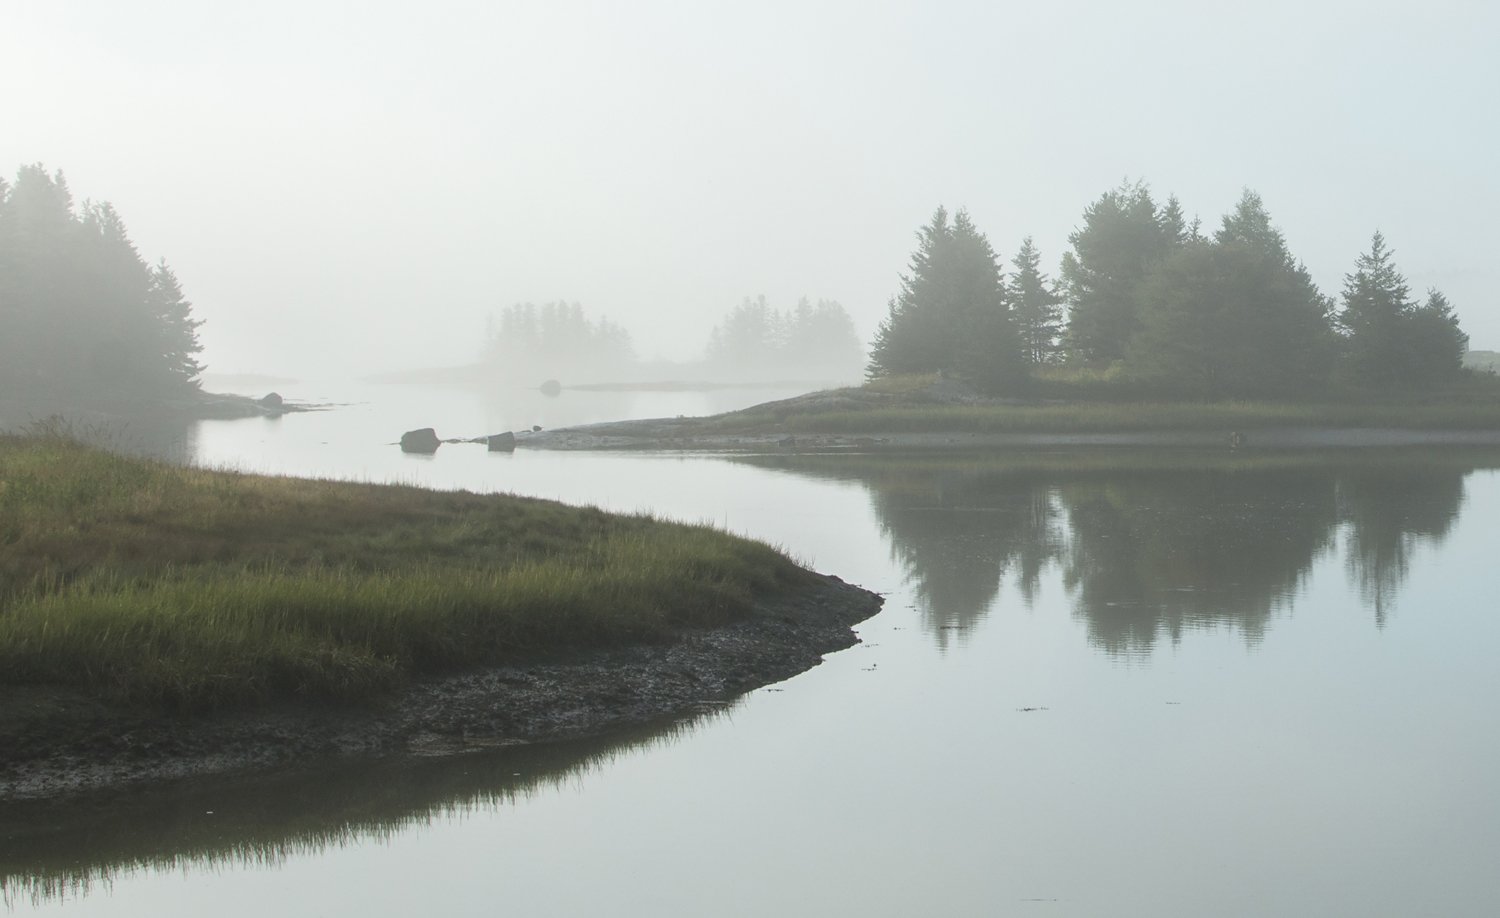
[(1103, 684)]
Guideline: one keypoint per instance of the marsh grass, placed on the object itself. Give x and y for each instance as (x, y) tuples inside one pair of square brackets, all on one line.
[(1080, 401), (191, 589), (1096, 417)]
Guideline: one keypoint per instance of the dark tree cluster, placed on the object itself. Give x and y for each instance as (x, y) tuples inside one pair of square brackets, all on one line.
[(810, 341), (952, 312), (1152, 299), (81, 314)]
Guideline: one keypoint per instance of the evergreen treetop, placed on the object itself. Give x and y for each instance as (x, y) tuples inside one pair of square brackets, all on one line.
[(81, 314)]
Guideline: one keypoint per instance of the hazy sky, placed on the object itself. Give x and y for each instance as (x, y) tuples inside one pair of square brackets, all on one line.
[(357, 185)]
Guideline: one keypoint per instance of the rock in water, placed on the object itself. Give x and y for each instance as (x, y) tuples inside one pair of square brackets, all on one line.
[(551, 388), (502, 442), (271, 400), (420, 441)]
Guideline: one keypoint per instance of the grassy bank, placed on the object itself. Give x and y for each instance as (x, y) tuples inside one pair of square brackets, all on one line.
[(192, 589), (927, 404), (1110, 418)]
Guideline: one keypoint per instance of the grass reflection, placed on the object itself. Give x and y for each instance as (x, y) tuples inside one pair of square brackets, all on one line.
[(52, 850)]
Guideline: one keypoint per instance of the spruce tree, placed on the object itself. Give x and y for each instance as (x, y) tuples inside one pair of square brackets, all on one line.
[(1376, 303), (81, 314), (1229, 319), (951, 313), (913, 337), (1174, 226), (1121, 240), (1241, 312), (1435, 344), (1036, 306)]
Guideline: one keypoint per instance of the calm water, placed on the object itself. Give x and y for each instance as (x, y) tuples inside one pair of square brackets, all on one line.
[(1103, 684)]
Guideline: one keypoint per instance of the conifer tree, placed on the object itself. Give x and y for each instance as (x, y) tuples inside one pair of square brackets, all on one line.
[(1376, 303), (1174, 226), (1237, 316), (1121, 240), (81, 314), (951, 313), (1036, 305)]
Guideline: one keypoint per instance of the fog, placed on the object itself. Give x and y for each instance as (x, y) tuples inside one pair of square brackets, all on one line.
[(359, 189)]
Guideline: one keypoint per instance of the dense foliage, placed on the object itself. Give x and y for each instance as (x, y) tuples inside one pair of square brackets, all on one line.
[(1155, 305), (81, 313)]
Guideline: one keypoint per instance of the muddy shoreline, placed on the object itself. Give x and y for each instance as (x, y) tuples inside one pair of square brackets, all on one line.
[(54, 744)]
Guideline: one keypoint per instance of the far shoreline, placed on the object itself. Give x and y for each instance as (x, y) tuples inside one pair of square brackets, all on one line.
[(659, 435)]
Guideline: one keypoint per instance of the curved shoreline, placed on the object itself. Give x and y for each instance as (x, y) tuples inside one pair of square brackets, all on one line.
[(58, 746)]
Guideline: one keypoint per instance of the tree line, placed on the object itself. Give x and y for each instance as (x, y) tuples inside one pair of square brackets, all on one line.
[(81, 313), (1146, 297), (809, 341), (556, 339), (754, 341)]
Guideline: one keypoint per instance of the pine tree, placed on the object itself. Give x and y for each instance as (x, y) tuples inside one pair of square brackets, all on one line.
[(81, 314), (913, 337), (1229, 319), (951, 313), (1376, 303), (1250, 223), (1036, 306), (1174, 226), (177, 343), (1238, 316), (1120, 241), (1435, 344)]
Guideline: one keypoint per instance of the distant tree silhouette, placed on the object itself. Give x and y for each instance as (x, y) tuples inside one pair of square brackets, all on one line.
[(80, 312), (750, 335), (530, 343), (755, 340)]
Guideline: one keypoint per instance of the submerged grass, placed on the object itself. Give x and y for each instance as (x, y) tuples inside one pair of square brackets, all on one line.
[(191, 589)]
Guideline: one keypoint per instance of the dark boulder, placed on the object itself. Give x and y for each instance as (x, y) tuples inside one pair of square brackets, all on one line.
[(502, 442), (551, 388), (420, 441), (271, 400)]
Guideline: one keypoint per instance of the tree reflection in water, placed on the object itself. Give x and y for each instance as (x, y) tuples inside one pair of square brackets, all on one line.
[(1388, 512), (1150, 545)]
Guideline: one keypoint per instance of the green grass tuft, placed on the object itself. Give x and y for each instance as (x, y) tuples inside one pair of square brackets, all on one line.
[(189, 589)]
